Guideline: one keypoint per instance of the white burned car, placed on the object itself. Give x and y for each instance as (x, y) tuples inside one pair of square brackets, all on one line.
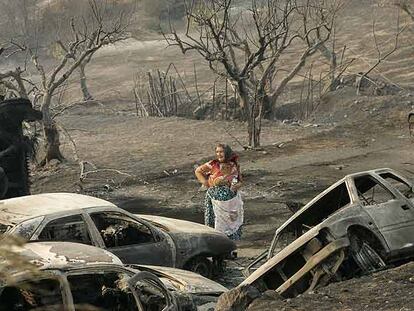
[(135, 239), (74, 276), (362, 223)]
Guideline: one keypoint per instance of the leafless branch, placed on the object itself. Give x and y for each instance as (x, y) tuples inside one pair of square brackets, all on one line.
[(380, 56), (84, 173)]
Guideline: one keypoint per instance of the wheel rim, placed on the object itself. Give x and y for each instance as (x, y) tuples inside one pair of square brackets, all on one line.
[(368, 259), (202, 268)]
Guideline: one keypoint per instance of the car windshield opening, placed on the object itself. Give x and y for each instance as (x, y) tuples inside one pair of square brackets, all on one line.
[(398, 184), (321, 209), (28, 227)]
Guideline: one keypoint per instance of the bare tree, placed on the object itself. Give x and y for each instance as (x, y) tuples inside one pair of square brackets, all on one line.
[(13, 81), (248, 46), (381, 56), (14, 23), (406, 5), (117, 9), (76, 39)]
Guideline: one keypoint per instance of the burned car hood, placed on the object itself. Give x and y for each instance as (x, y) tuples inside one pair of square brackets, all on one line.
[(172, 225), (184, 280), (192, 238)]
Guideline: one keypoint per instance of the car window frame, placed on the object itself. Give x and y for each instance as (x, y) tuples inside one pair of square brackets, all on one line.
[(158, 237), (52, 217), (50, 274), (108, 268), (25, 222), (391, 188), (142, 276), (379, 181), (353, 197)]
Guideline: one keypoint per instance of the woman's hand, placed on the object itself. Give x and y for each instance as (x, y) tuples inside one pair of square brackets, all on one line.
[(235, 187), (221, 181), (201, 177)]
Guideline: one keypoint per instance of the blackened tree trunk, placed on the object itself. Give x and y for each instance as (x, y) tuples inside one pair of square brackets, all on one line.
[(51, 134), (84, 87), (330, 55), (251, 115), (52, 143)]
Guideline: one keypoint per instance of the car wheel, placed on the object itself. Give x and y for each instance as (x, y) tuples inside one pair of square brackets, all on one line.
[(365, 256), (200, 265)]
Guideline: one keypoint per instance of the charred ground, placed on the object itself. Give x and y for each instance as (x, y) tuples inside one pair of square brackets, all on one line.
[(297, 162)]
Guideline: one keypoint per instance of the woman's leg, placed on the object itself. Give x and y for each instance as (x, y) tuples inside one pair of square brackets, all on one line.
[(224, 194), (216, 193), (209, 218), (220, 194), (236, 236)]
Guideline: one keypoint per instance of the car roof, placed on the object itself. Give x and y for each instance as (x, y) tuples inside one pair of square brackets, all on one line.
[(66, 255), (369, 172), (15, 210)]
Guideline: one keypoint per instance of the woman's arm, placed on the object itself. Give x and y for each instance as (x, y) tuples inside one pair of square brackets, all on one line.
[(235, 187), (199, 172)]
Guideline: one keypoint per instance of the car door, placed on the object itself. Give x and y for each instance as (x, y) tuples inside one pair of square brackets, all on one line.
[(391, 213), (131, 240)]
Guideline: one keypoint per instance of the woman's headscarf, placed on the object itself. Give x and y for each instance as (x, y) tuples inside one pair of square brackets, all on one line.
[(229, 154)]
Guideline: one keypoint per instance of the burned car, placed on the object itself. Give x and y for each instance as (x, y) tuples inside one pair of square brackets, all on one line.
[(360, 224), (75, 276), (134, 239)]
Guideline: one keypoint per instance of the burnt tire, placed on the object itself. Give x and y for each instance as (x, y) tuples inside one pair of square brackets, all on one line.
[(200, 265), (365, 256)]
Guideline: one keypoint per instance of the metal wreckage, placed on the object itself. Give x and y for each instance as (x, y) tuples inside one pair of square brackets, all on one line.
[(361, 224), (74, 276), (135, 239)]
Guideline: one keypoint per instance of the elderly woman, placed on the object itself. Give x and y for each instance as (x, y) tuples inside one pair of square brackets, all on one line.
[(222, 178)]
